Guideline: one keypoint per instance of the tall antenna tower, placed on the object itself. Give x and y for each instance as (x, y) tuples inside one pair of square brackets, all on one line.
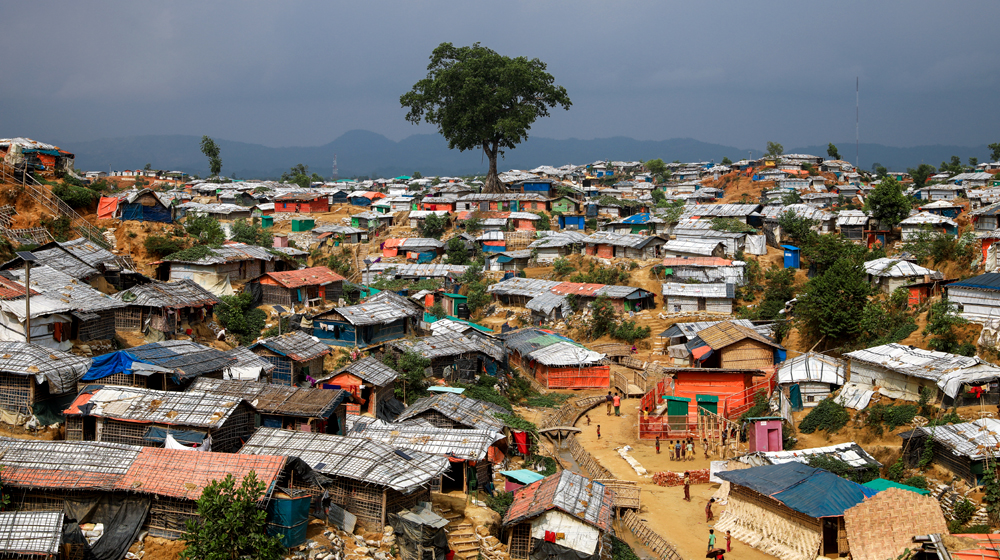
[(857, 120), (336, 173)]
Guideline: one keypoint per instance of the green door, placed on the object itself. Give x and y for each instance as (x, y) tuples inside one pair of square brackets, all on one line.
[(708, 402)]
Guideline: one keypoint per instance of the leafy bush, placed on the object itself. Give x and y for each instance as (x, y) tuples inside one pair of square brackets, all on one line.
[(437, 310), (433, 226), (411, 365), (828, 416), (843, 469), (916, 482), (544, 223), (237, 315), (230, 525), (75, 197), (601, 275), (927, 455), (760, 407), (629, 331), (59, 227), (484, 390), (457, 252), (963, 512), (191, 254), (942, 318), (561, 267), (892, 416), (252, 233), (500, 502), (620, 550), (950, 418), (896, 471), (161, 246), (206, 230), (341, 263)]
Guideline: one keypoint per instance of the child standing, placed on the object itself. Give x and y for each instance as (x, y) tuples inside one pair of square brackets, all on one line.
[(729, 542), (598, 431)]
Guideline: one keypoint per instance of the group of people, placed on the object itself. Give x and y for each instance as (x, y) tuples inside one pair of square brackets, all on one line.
[(614, 400), (683, 449)]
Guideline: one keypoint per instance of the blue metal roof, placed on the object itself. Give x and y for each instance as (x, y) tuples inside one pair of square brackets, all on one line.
[(640, 218), (523, 476), (813, 492), (824, 494), (988, 281)]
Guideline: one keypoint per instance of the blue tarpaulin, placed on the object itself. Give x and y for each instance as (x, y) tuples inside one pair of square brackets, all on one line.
[(523, 476), (427, 257), (110, 364), (187, 437), (813, 492)]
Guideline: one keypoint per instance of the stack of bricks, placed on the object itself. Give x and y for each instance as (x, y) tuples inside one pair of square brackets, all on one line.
[(668, 478)]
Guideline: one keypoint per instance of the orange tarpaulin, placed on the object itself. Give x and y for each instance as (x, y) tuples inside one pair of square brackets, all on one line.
[(106, 207)]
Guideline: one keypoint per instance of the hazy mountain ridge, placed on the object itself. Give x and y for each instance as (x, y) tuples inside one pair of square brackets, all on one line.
[(362, 152)]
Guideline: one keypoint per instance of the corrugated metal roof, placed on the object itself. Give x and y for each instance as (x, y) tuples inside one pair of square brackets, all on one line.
[(458, 443), (368, 369), (691, 246), (721, 210), (976, 440), (547, 301), (445, 345), (296, 345), (725, 291), (61, 370), (354, 458), (149, 406), (989, 281), (522, 287), (267, 398), (549, 348), (182, 293), (631, 240), (924, 218), (677, 262), (186, 357), (478, 414), (850, 453), (852, 218), (579, 497), (948, 370), (64, 465), (560, 239), (74, 293)]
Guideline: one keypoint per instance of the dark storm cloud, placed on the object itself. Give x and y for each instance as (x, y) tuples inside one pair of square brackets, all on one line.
[(302, 73)]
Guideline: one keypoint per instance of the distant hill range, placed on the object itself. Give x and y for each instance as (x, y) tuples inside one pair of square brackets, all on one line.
[(360, 152)]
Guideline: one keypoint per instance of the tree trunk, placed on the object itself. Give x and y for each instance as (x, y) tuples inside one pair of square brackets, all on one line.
[(492, 184)]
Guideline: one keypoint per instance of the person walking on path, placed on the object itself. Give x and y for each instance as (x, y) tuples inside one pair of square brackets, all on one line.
[(677, 451), (711, 540), (690, 451), (657, 445), (609, 399), (729, 542), (598, 431), (704, 444), (708, 511), (687, 486), (618, 403), (683, 450)]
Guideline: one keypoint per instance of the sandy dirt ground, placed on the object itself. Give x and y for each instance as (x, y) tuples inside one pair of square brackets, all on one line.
[(663, 509)]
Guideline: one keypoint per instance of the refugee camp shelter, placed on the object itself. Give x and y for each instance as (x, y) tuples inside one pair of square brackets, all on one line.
[(576, 511), (888, 274), (31, 534), (852, 224), (977, 298), (367, 478), (456, 357), (811, 377), (608, 244), (51, 321), (92, 313), (36, 380), (692, 298), (145, 417), (912, 227), (247, 365), (900, 372), (219, 267), (851, 454), (791, 510), (167, 365), (296, 356), (280, 406), (883, 526), (728, 345), (470, 453), (164, 306), (557, 245), (964, 449), (308, 286), (555, 361), (704, 270), (371, 382), (380, 318), (448, 410), (125, 487), (146, 206), (302, 202)]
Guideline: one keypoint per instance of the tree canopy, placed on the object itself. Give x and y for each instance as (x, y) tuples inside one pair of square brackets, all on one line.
[(921, 174), (299, 175), (887, 203), (480, 99), (211, 151), (995, 151), (834, 300), (832, 151), (230, 525), (774, 149)]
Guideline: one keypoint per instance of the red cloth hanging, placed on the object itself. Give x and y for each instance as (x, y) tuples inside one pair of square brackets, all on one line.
[(521, 440), (976, 391), (550, 536)]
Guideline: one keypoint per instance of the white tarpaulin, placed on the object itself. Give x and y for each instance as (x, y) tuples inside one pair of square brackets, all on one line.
[(218, 284), (853, 395), (756, 245), (578, 535)]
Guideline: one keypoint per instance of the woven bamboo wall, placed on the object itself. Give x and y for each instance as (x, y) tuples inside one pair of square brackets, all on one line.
[(770, 526), (747, 354), (17, 393), (275, 295)]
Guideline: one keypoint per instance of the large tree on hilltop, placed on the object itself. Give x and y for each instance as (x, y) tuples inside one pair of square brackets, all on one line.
[(481, 99)]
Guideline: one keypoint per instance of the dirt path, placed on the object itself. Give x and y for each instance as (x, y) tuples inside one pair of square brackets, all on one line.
[(663, 509)]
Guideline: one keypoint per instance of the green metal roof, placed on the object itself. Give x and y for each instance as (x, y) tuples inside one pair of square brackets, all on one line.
[(673, 398), (883, 484)]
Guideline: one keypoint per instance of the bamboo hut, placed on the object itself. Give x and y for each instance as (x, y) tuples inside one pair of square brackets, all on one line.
[(296, 356)]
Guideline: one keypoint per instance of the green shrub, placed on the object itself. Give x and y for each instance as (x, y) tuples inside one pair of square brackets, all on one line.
[(500, 502), (916, 482), (205, 229), (60, 227), (561, 267), (75, 197), (161, 246), (251, 233), (230, 524), (964, 510), (411, 365), (896, 471), (629, 331), (620, 550), (828, 416), (237, 315)]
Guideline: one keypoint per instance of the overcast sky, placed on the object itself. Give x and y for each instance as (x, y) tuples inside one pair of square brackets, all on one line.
[(293, 73)]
